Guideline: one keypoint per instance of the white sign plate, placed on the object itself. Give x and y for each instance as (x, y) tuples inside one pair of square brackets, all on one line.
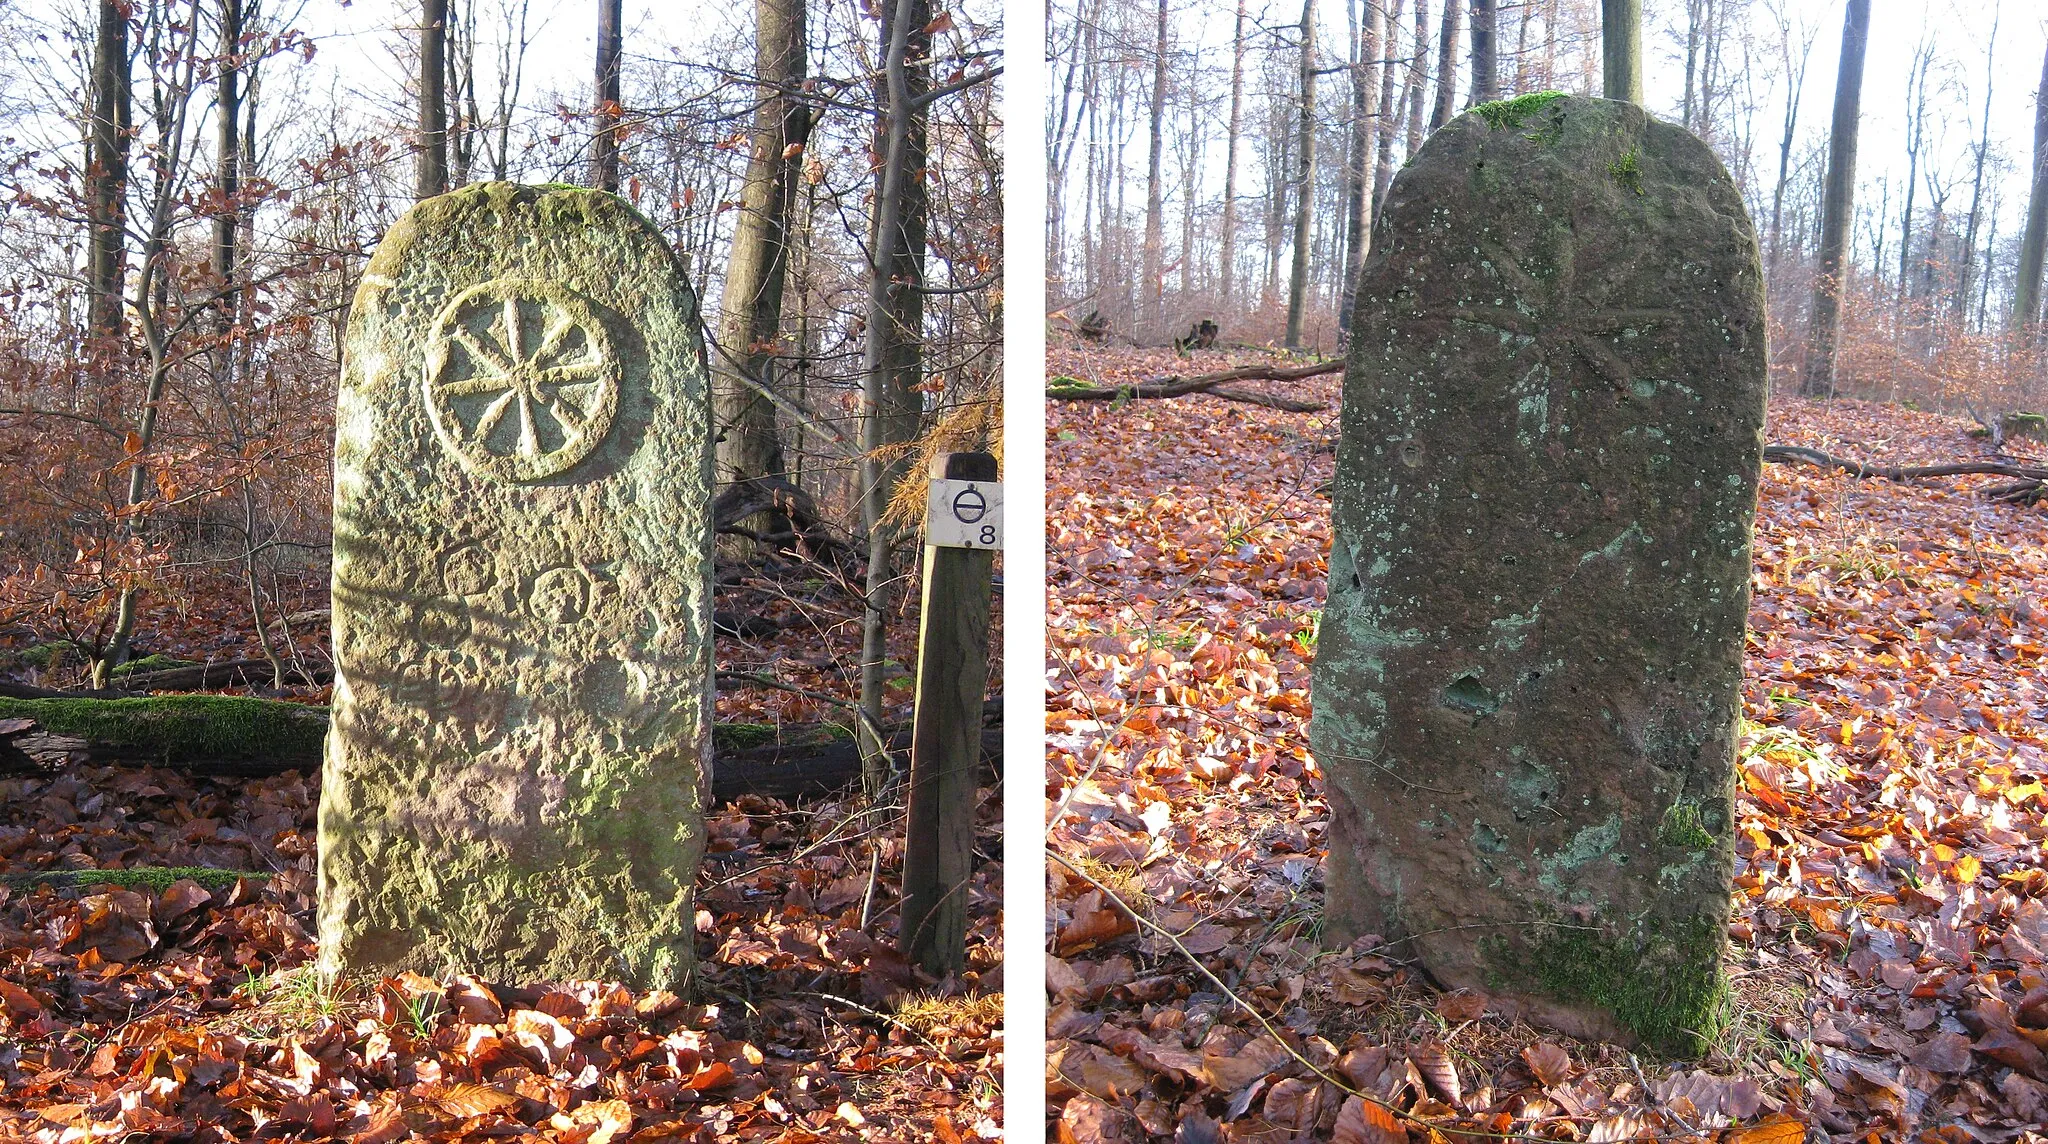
[(964, 514)]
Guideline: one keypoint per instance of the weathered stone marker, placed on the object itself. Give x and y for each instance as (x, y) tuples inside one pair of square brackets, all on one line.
[(521, 598), (1526, 684)]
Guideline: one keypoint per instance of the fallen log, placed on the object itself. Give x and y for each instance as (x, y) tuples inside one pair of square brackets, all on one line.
[(223, 673), (236, 737), (1214, 384), (2027, 488)]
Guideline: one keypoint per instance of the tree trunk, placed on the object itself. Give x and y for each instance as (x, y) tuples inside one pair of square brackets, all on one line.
[(749, 444), (1229, 255), (893, 359), (1966, 286), (1485, 51), (1149, 320), (1447, 65), (1357, 183), (1621, 50), (1390, 112), (431, 171), (1695, 14), (107, 175), (1916, 133), (226, 230), (604, 145), (1418, 77), (1795, 81), (2026, 295), (228, 153), (1305, 178), (1819, 377)]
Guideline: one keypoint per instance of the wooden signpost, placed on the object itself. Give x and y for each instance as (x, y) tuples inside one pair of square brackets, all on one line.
[(963, 529)]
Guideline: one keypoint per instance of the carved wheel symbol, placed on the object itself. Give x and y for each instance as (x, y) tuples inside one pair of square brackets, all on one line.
[(522, 381)]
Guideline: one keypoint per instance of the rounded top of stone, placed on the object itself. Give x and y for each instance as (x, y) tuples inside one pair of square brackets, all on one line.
[(1560, 128), (548, 205)]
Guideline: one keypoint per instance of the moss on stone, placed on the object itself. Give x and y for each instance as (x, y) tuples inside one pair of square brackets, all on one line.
[(1502, 114), (155, 879), (1628, 170), (181, 727), (1663, 983), (1683, 826)]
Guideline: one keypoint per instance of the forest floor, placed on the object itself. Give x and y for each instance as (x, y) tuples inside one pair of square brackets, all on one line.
[(1888, 973), (191, 1011)]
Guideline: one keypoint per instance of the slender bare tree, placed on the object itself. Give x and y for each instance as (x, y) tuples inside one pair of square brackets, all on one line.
[(1304, 179), (1365, 109), (893, 352), (604, 144), (2026, 294), (107, 173), (1228, 258), (431, 167), (1837, 202), (1155, 200)]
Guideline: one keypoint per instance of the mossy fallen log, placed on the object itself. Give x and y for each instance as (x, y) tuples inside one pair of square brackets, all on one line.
[(240, 737), (183, 728), (155, 879)]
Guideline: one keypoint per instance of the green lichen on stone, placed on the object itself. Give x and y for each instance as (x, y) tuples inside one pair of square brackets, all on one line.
[(183, 727), (155, 879), (1502, 114), (1663, 983), (1628, 170), (1683, 826)]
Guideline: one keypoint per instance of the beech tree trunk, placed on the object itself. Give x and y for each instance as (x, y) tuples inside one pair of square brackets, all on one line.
[(2026, 295), (1485, 53), (1390, 113), (431, 168), (1967, 283), (1418, 75), (1149, 320), (1229, 254), (1916, 134), (1305, 178), (1358, 184), (228, 151), (107, 175), (893, 355), (1447, 65), (1621, 50), (1838, 200), (604, 145), (749, 442)]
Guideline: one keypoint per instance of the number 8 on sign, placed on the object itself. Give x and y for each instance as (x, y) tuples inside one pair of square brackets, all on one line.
[(964, 514)]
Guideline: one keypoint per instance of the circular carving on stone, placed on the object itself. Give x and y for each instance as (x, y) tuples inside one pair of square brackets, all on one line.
[(522, 380), (468, 571), (560, 595)]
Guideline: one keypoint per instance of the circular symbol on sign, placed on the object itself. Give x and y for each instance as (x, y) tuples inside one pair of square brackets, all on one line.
[(969, 505), (522, 381)]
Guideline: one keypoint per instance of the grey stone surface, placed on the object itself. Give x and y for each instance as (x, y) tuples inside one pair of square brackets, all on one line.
[(522, 598), (1526, 684)]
